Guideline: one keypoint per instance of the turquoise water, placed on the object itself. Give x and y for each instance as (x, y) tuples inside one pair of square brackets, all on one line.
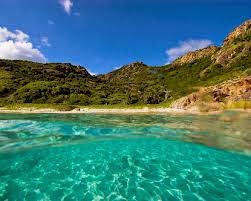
[(125, 157)]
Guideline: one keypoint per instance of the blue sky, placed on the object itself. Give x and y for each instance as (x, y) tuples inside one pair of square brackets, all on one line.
[(105, 34)]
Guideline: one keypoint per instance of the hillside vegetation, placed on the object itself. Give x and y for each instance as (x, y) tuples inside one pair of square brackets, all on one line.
[(133, 84)]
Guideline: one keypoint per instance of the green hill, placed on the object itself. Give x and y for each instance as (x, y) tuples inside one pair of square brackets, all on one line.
[(136, 83)]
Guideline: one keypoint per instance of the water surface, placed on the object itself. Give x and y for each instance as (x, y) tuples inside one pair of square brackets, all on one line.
[(125, 157)]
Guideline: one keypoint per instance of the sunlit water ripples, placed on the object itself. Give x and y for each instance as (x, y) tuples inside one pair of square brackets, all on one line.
[(125, 157)]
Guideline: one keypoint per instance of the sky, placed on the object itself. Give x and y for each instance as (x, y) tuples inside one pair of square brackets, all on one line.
[(103, 35)]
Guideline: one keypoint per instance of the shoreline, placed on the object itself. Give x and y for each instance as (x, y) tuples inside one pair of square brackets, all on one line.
[(94, 111), (145, 110)]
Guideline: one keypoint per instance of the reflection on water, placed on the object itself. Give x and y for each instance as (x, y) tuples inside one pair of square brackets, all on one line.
[(231, 130), (125, 157)]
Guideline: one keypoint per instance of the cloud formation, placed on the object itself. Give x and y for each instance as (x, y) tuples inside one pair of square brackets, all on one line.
[(16, 45), (45, 41), (67, 5), (185, 47)]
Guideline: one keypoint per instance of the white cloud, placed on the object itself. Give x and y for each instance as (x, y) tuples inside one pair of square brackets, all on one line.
[(45, 41), (185, 47), (67, 5), (16, 45), (50, 22), (17, 36)]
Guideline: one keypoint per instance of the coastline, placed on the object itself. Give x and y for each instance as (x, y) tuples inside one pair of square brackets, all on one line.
[(144, 110)]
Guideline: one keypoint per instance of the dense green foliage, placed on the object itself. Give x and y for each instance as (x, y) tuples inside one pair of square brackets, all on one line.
[(28, 82)]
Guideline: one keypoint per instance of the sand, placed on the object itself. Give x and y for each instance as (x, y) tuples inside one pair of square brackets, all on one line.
[(145, 110)]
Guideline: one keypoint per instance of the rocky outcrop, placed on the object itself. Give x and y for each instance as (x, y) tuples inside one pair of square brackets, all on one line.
[(198, 54), (236, 45), (229, 54), (239, 32), (215, 97), (232, 90), (226, 55)]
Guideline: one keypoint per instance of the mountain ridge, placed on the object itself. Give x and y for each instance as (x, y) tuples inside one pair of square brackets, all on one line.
[(135, 83)]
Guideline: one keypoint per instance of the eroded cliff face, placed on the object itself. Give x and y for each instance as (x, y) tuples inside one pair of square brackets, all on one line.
[(214, 98)]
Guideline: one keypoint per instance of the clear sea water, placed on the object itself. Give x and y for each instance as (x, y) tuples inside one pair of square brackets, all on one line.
[(125, 157)]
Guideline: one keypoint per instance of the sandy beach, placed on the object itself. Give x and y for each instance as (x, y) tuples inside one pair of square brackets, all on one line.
[(145, 110), (95, 111)]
